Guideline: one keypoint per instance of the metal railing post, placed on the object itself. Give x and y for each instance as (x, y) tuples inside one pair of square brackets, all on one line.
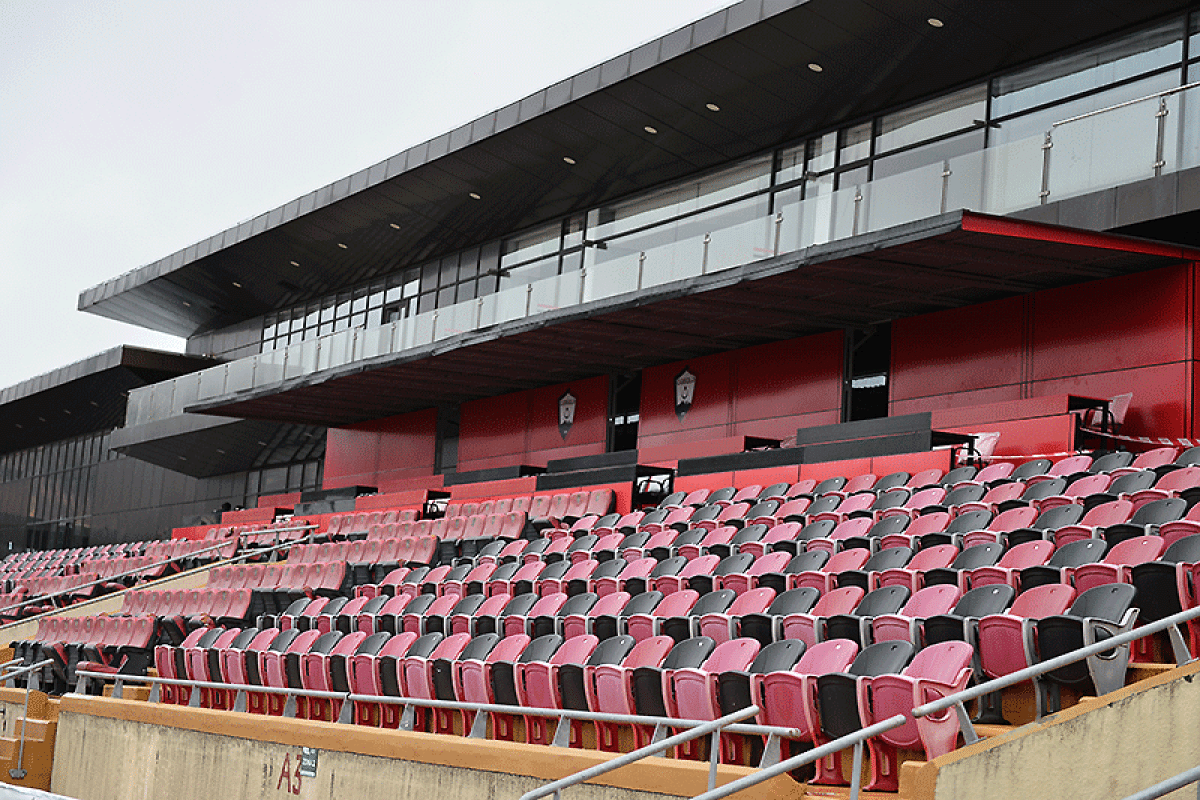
[(1047, 146)]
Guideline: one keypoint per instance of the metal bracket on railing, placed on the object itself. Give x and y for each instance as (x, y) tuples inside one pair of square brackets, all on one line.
[(1047, 146), (641, 268), (408, 718), (1159, 147), (946, 173), (479, 726), (704, 258), (582, 283), (772, 751), (778, 232), (660, 733), (562, 733), (964, 722), (289, 705), (858, 198)]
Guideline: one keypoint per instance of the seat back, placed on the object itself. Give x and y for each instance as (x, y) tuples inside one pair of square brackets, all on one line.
[(1043, 601), (984, 600), (1108, 602)]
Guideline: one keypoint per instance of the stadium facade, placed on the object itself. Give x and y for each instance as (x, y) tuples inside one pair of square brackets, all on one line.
[(785, 214)]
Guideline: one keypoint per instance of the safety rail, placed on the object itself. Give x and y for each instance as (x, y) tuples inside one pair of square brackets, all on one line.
[(248, 554), (712, 728), (6, 676), (1169, 785), (957, 701), (478, 730)]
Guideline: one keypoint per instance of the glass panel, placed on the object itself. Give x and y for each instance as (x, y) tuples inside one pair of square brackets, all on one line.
[(537, 243), (1103, 150), (453, 320), (673, 201), (510, 303), (335, 350), (821, 151), (964, 186), (301, 359), (791, 164), (740, 244), (856, 144), (268, 369), (554, 293), (448, 271), (1132, 55), (787, 206), (933, 153), (609, 273), (212, 382), (134, 407), (913, 195), (529, 273), (375, 341), (422, 330), (1012, 175), (239, 375), (187, 392), (1041, 121), (1183, 129), (936, 118), (573, 231)]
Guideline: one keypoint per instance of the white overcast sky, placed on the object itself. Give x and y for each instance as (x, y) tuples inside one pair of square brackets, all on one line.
[(131, 129)]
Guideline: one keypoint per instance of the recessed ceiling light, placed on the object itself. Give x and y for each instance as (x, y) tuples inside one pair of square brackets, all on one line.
[(238, 285), (475, 196), (342, 246), (569, 160), (650, 129), (815, 67), (394, 225), (186, 304), (294, 263), (712, 106), (935, 22)]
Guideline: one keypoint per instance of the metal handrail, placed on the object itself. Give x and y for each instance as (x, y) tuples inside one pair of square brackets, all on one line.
[(1169, 785), (958, 699), (854, 740), (714, 728), (454, 705), (1135, 101), (44, 597)]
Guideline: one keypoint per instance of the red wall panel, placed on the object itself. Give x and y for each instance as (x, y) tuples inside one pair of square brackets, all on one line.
[(767, 390), (1100, 339), (522, 427), (381, 451), (1119, 323), (956, 351)]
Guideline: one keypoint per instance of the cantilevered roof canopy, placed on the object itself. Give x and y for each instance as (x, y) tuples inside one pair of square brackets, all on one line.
[(83, 397), (957, 259), (752, 60)]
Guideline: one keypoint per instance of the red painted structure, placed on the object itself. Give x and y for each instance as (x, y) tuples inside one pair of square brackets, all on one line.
[(1002, 366)]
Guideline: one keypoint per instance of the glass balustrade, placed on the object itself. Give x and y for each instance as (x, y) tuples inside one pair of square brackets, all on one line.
[(1105, 149)]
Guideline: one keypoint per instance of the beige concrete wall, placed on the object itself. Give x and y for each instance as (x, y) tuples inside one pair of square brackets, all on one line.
[(116, 749), (1104, 748)]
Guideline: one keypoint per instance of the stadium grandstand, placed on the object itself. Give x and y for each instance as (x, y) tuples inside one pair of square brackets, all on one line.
[(744, 397)]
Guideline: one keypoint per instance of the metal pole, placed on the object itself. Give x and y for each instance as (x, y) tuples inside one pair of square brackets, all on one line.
[(1169, 785), (639, 754), (817, 753)]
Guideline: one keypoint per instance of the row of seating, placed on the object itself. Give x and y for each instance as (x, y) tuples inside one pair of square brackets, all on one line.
[(697, 678)]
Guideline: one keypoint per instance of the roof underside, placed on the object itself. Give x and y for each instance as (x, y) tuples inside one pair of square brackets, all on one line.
[(83, 397), (750, 59), (955, 260)]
